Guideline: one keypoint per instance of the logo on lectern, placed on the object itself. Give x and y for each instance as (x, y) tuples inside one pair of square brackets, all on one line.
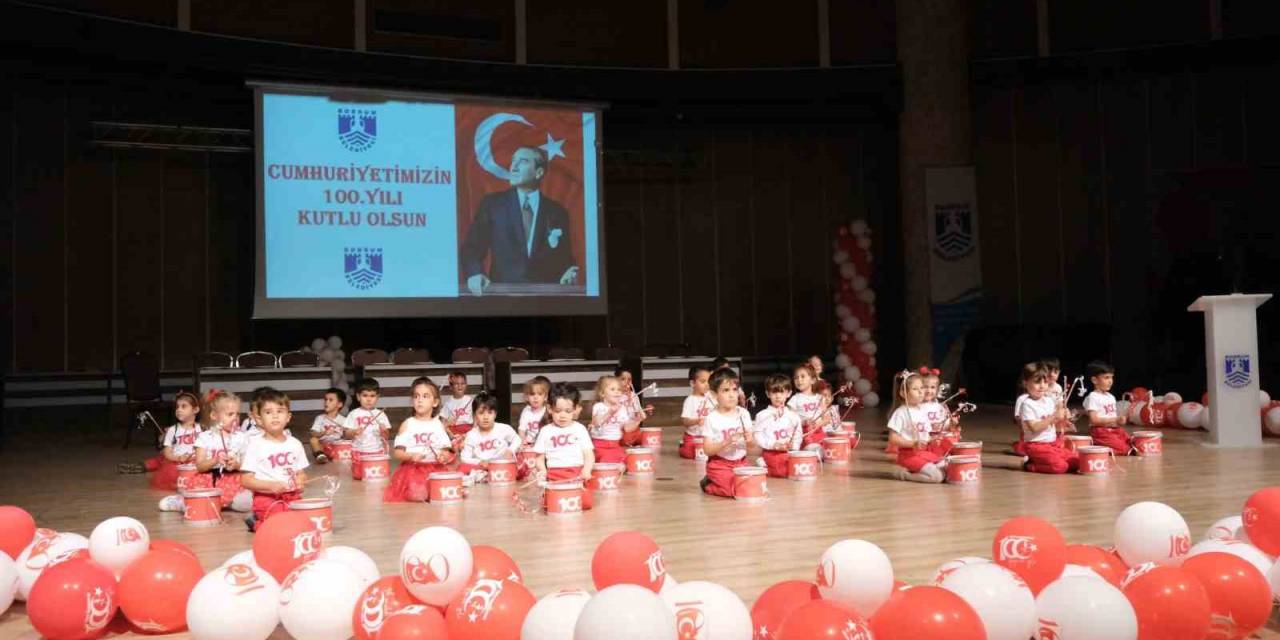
[(1236, 370)]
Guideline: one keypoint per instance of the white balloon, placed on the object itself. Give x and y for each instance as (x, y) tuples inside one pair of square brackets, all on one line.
[(235, 602), (305, 349), (840, 257), (863, 242), (436, 564), (859, 227), (842, 311), (859, 283), (318, 345), (849, 324), (852, 374), (1264, 398), (1271, 420), (1223, 529), (1080, 608), (1078, 570), (339, 355), (1189, 414), (1002, 600), (118, 541), (625, 612), (8, 582), (357, 560), (668, 583), (1151, 532), (866, 295), (847, 271), (1135, 412), (1273, 576), (326, 355), (708, 610), (338, 367), (862, 335), (868, 348), (857, 574), (244, 557), (862, 386), (554, 616), (1242, 550), (871, 400), (1171, 397), (843, 361), (949, 567), (43, 553), (317, 599), (335, 342)]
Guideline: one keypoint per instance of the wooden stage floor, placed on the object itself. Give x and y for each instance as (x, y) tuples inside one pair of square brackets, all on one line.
[(745, 547)]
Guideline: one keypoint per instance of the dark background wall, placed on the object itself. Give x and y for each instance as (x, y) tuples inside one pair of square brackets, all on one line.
[(1125, 154)]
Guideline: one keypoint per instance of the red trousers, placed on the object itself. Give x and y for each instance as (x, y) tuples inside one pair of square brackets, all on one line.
[(266, 505), (632, 438), (1115, 437), (720, 475), (1051, 457), (565, 474), (687, 450), (776, 463), (609, 451)]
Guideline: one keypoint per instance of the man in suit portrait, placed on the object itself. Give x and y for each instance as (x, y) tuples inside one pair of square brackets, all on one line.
[(524, 232)]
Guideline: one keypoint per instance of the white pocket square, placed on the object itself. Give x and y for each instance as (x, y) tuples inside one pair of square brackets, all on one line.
[(553, 238)]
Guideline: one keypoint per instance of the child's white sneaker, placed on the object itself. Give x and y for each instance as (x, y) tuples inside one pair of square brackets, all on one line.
[(172, 503), (760, 462)]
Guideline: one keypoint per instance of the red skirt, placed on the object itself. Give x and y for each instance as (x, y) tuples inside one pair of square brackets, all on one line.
[(915, 459), (632, 438), (609, 451), (776, 463), (166, 477), (409, 482)]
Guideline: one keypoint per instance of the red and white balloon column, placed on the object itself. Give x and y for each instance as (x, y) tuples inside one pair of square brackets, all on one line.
[(855, 307)]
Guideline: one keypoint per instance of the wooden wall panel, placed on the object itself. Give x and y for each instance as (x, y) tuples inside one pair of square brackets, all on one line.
[(162, 12), (1219, 127), (230, 225), (1039, 219), (810, 248), (1173, 123), (863, 32), (625, 270), (8, 192), (1085, 224), (771, 233), (140, 250), (327, 23), (39, 305), (464, 29), (996, 156), (90, 246), (747, 33), (1262, 102), (697, 246), (587, 32), (732, 210), (185, 221), (663, 295)]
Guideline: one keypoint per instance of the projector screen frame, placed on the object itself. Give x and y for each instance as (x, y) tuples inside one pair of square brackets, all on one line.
[(463, 306)]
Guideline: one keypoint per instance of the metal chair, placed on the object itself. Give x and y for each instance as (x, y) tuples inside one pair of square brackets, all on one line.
[(299, 359), (410, 355), (564, 353), (365, 357), (470, 355), (141, 373), (257, 360), (213, 359), (509, 354)]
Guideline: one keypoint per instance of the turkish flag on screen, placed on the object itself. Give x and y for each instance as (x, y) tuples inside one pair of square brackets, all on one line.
[(487, 136)]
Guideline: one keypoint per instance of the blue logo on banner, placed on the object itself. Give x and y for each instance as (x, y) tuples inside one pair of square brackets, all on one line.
[(1236, 369), (363, 267), (357, 128), (952, 230)]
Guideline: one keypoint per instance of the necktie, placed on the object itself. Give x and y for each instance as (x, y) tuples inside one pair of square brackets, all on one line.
[(526, 212)]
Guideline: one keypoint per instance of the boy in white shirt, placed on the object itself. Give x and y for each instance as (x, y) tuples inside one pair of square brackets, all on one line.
[(726, 435), (697, 405), (1038, 414), (564, 447), (1104, 422), (275, 463), (366, 426), (778, 429), (456, 412), (327, 428), (488, 441)]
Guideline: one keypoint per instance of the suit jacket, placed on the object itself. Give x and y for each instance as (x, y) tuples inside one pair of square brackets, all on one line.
[(498, 229)]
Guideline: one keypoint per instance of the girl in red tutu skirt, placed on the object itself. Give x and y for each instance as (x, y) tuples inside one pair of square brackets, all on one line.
[(179, 442), (422, 446)]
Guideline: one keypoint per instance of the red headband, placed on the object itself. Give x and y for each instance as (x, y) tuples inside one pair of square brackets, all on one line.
[(924, 371)]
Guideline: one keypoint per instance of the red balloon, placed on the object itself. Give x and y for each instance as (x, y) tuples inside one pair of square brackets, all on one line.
[(17, 528), (1170, 604), (73, 600), (381, 599), (927, 612), (1239, 595), (1262, 520), (488, 609), (1031, 548), (154, 589), (492, 562), (1140, 394), (1106, 564), (628, 557), (777, 602), (284, 542), (822, 619), (414, 622), (171, 545)]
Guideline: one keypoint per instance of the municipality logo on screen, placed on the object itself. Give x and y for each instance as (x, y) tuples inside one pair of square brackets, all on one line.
[(357, 128), (952, 230), (363, 266), (1236, 369)]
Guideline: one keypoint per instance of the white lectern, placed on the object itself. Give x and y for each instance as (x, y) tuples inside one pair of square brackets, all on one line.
[(1231, 359)]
